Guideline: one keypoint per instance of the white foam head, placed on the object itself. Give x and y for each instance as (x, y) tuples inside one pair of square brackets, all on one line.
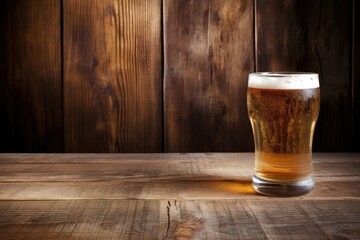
[(279, 80)]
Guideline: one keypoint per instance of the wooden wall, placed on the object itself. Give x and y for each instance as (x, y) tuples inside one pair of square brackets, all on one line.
[(112, 76), (167, 75), (31, 100)]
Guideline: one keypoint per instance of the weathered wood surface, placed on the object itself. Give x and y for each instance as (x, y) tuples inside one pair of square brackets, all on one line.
[(155, 75), (30, 76), (170, 219), (170, 196), (208, 57), (313, 36), (112, 76)]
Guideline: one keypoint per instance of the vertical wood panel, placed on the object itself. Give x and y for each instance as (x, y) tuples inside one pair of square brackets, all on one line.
[(113, 84), (294, 35), (30, 76), (356, 77), (208, 56)]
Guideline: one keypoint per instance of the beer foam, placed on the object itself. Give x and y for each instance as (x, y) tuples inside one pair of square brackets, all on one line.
[(270, 80)]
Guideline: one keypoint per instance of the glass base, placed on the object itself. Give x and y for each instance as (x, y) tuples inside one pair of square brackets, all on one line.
[(285, 189)]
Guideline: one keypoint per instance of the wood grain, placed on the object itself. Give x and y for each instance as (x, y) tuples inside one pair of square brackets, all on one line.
[(170, 196), (208, 56), (158, 176), (151, 219), (112, 81), (214, 188), (312, 36), (30, 76), (112, 59)]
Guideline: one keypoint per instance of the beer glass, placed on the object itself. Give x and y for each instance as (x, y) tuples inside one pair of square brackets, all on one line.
[(283, 109)]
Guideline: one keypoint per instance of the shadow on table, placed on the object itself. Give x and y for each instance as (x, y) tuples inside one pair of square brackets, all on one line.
[(204, 184)]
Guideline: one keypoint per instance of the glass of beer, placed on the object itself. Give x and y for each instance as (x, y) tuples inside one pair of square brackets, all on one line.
[(283, 109)]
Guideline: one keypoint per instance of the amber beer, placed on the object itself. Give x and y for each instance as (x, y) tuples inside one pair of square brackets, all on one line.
[(283, 109)]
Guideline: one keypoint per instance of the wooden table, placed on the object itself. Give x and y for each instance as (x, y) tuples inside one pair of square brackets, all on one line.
[(170, 196)]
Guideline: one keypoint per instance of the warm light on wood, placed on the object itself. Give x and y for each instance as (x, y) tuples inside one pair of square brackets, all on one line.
[(169, 196)]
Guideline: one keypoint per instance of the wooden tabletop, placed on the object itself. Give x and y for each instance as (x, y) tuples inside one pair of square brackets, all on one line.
[(170, 196)]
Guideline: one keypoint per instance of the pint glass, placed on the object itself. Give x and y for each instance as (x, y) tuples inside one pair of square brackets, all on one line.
[(283, 109)]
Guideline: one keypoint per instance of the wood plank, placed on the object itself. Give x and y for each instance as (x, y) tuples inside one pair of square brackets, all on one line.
[(30, 72), (208, 56), (356, 78), (205, 158), (312, 36), (159, 176), (171, 219), (230, 166), (112, 78), (204, 189)]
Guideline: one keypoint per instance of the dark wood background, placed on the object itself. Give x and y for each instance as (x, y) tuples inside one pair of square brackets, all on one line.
[(167, 75)]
